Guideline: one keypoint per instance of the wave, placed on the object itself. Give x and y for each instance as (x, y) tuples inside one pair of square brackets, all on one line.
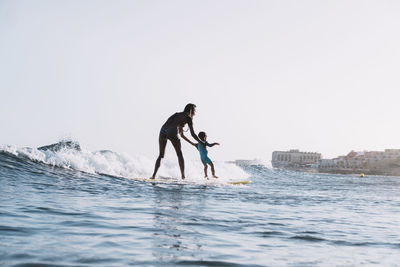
[(70, 155)]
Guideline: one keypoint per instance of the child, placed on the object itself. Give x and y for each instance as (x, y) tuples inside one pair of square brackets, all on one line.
[(202, 148)]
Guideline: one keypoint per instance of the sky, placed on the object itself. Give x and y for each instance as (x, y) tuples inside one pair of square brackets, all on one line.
[(319, 76)]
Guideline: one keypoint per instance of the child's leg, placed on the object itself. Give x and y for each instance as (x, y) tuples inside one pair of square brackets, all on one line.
[(205, 171), (212, 170)]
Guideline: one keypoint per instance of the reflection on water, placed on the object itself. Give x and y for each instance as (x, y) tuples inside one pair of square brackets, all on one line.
[(174, 238)]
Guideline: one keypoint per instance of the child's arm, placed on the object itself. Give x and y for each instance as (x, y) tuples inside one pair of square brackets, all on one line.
[(211, 145), (180, 129)]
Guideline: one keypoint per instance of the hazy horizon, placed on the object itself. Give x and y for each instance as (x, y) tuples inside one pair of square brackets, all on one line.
[(318, 76)]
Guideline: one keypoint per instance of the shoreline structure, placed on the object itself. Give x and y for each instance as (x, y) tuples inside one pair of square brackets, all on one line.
[(366, 162)]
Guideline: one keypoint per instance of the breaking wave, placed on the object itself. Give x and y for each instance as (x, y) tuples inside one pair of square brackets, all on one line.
[(70, 155)]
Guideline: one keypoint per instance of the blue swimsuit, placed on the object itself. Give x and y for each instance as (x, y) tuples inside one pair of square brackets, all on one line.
[(203, 153)]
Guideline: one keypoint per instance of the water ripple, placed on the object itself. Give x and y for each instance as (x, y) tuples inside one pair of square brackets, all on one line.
[(213, 263), (58, 217)]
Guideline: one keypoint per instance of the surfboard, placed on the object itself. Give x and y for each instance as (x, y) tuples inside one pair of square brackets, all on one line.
[(159, 180), (167, 180), (240, 182)]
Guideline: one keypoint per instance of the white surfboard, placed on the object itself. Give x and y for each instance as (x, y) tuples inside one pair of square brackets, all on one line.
[(170, 180)]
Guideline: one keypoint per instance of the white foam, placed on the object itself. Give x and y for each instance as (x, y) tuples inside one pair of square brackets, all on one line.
[(124, 165)]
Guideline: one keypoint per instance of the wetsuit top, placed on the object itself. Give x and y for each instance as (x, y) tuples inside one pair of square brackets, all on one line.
[(203, 152), (170, 127)]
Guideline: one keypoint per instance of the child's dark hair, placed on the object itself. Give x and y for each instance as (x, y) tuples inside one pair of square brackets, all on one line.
[(189, 107), (202, 135)]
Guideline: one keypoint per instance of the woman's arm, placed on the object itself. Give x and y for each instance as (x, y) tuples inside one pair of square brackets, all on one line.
[(180, 129), (193, 133)]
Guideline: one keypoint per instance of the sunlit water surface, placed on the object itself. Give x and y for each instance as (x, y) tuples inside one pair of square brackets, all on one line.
[(52, 216)]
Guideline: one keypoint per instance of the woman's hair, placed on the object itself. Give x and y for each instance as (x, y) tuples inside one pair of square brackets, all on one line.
[(201, 136), (189, 107)]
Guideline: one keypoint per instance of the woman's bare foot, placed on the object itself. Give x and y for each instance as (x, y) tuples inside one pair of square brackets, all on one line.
[(215, 176)]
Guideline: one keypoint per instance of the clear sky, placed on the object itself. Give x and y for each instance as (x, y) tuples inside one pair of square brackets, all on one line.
[(321, 76)]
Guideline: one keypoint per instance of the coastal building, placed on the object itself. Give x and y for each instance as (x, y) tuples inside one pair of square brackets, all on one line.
[(294, 159), (369, 162), (392, 153), (385, 162), (327, 163)]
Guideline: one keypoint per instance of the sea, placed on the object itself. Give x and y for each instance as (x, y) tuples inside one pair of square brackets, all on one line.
[(62, 205)]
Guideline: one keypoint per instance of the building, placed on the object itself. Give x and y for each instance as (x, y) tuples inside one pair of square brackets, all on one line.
[(294, 159), (369, 162)]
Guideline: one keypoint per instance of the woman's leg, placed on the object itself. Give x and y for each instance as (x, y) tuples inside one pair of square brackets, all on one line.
[(177, 145), (162, 142)]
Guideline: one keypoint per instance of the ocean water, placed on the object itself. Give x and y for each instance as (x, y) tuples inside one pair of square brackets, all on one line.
[(82, 208)]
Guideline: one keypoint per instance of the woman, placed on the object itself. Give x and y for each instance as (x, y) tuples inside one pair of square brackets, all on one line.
[(169, 131)]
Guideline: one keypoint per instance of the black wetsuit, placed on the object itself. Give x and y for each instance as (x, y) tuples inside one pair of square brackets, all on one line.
[(170, 129)]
